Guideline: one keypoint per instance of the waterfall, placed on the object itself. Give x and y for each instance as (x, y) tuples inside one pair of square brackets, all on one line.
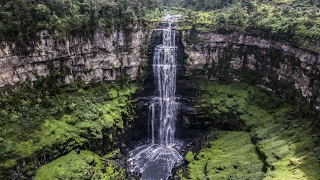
[(155, 160), (164, 105)]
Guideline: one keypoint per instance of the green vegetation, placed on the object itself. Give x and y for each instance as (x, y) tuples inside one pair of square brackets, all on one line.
[(287, 143), (21, 20), (189, 156), (53, 121), (200, 5), (82, 165), (218, 4), (278, 20), (231, 156), (40, 124), (233, 101)]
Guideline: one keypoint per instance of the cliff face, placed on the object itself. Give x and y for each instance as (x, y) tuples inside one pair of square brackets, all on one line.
[(102, 58), (276, 66)]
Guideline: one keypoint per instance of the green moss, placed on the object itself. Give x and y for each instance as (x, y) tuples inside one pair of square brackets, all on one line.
[(11, 163), (232, 155), (70, 121), (113, 93), (278, 133), (81, 165), (189, 156)]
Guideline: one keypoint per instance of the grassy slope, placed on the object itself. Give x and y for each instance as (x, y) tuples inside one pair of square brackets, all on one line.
[(232, 155), (286, 141), (88, 116), (81, 165)]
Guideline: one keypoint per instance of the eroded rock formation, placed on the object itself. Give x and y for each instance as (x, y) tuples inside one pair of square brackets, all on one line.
[(102, 58), (276, 66)]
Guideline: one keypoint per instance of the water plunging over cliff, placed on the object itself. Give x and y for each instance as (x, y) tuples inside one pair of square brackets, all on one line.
[(155, 160), (163, 106)]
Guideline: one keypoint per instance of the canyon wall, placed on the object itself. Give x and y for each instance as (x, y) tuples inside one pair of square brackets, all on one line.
[(102, 58), (99, 59), (276, 66)]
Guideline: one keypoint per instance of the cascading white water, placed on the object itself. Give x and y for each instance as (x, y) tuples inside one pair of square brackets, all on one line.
[(156, 160), (164, 106)]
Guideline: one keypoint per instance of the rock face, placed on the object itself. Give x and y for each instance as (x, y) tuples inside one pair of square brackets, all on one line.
[(276, 66), (102, 58)]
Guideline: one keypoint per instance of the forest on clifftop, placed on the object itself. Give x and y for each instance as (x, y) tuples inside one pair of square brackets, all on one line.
[(20, 20), (293, 21)]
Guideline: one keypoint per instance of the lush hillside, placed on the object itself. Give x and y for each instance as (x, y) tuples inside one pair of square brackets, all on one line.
[(217, 4), (40, 126), (20, 20), (296, 22), (199, 5), (286, 142)]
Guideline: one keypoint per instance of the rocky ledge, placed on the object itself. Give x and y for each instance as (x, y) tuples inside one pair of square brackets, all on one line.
[(276, 66), (101, 58)]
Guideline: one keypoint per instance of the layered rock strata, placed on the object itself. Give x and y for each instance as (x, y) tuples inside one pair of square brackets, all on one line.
[(276, 66), (101, 58)]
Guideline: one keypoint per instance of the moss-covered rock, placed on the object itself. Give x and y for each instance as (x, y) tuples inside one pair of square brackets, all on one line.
[(90, 119), (189, 157), (80, 165), (284, 140), (231, 156)]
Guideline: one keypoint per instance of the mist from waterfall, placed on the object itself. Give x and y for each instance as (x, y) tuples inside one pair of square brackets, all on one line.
[(156, 160)]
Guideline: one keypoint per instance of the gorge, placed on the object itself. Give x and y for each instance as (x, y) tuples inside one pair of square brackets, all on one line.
[(241, 106)]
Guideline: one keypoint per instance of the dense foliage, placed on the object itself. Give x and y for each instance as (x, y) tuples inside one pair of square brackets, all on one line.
[(199, 5), (287, 144), (217, 4), (39, 123), (297, 25), (20, 20), (83, 165)]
